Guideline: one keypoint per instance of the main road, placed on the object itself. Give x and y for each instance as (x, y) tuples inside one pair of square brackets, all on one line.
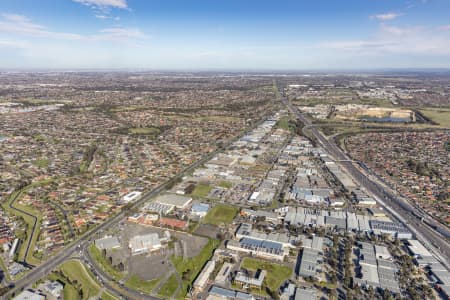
[(402, 210)]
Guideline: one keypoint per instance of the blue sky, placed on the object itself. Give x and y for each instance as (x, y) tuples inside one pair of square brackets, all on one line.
[(225, 34)]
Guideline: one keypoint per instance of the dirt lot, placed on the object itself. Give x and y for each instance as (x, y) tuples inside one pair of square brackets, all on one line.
[(149, 267), (207, 230)]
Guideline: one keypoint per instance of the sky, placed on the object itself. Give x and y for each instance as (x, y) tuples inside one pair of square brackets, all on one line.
[(224, 34)]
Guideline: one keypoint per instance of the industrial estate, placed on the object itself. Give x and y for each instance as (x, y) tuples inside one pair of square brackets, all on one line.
[(147, 185)]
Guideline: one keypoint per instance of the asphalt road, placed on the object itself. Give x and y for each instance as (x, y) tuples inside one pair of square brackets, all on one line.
[(402, 210)]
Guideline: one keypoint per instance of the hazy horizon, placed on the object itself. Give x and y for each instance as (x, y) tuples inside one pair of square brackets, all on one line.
[(225, 35)]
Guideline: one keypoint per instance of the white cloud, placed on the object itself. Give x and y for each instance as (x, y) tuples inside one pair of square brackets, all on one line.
[(104, 3), (107, 17), (396, 40), (385, 17), (102, 17), (15, 18), (21, 25), (395, 30), (119, 34)]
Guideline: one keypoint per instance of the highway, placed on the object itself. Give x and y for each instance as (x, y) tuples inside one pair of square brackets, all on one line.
[(82, 243), (402, 210)]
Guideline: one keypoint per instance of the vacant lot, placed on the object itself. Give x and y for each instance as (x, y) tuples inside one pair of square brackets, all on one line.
[(201, 190), (189, 268), (276, 274), (220, 214), (169, 287), (139, 265), (207, 230)]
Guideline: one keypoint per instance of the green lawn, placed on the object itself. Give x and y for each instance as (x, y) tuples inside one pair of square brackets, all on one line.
[(5, 271), (201, 190), (169, 287), (41, 163), (30, 222), (190, 267), (225, 184), (77, 272), (283, 123), (144, 130), (276, 273), (220, 213), (70, 292), (136, 283), (218, 118), (96, 254), (105, 296), (440, 116)]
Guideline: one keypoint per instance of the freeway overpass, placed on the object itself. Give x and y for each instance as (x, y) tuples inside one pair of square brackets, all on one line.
[(402, 210)]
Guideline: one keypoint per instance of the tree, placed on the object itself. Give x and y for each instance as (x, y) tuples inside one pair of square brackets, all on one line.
[(333, 294), (121, 267), (387, 295), (371, 292)]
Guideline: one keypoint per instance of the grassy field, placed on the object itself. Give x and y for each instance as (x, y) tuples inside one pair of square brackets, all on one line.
[(69, 291), (30, 222), (136, 283), (105, 296), (440, 116), (128, 108), (169, 287), (218, 119), (201, 190), (4, 270), (225, 184), (283, 123), (144, 130), (104, 264), (220, 213), (190, 267), (41, 163), (276, 274), (77, 272), (342, 100)]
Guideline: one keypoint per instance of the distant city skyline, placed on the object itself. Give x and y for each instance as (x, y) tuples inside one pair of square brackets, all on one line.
[(224, 35)]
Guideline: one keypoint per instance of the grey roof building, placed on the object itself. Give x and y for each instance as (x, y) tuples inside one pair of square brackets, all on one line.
[(305, 294), (309, 263), (108, 243)]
